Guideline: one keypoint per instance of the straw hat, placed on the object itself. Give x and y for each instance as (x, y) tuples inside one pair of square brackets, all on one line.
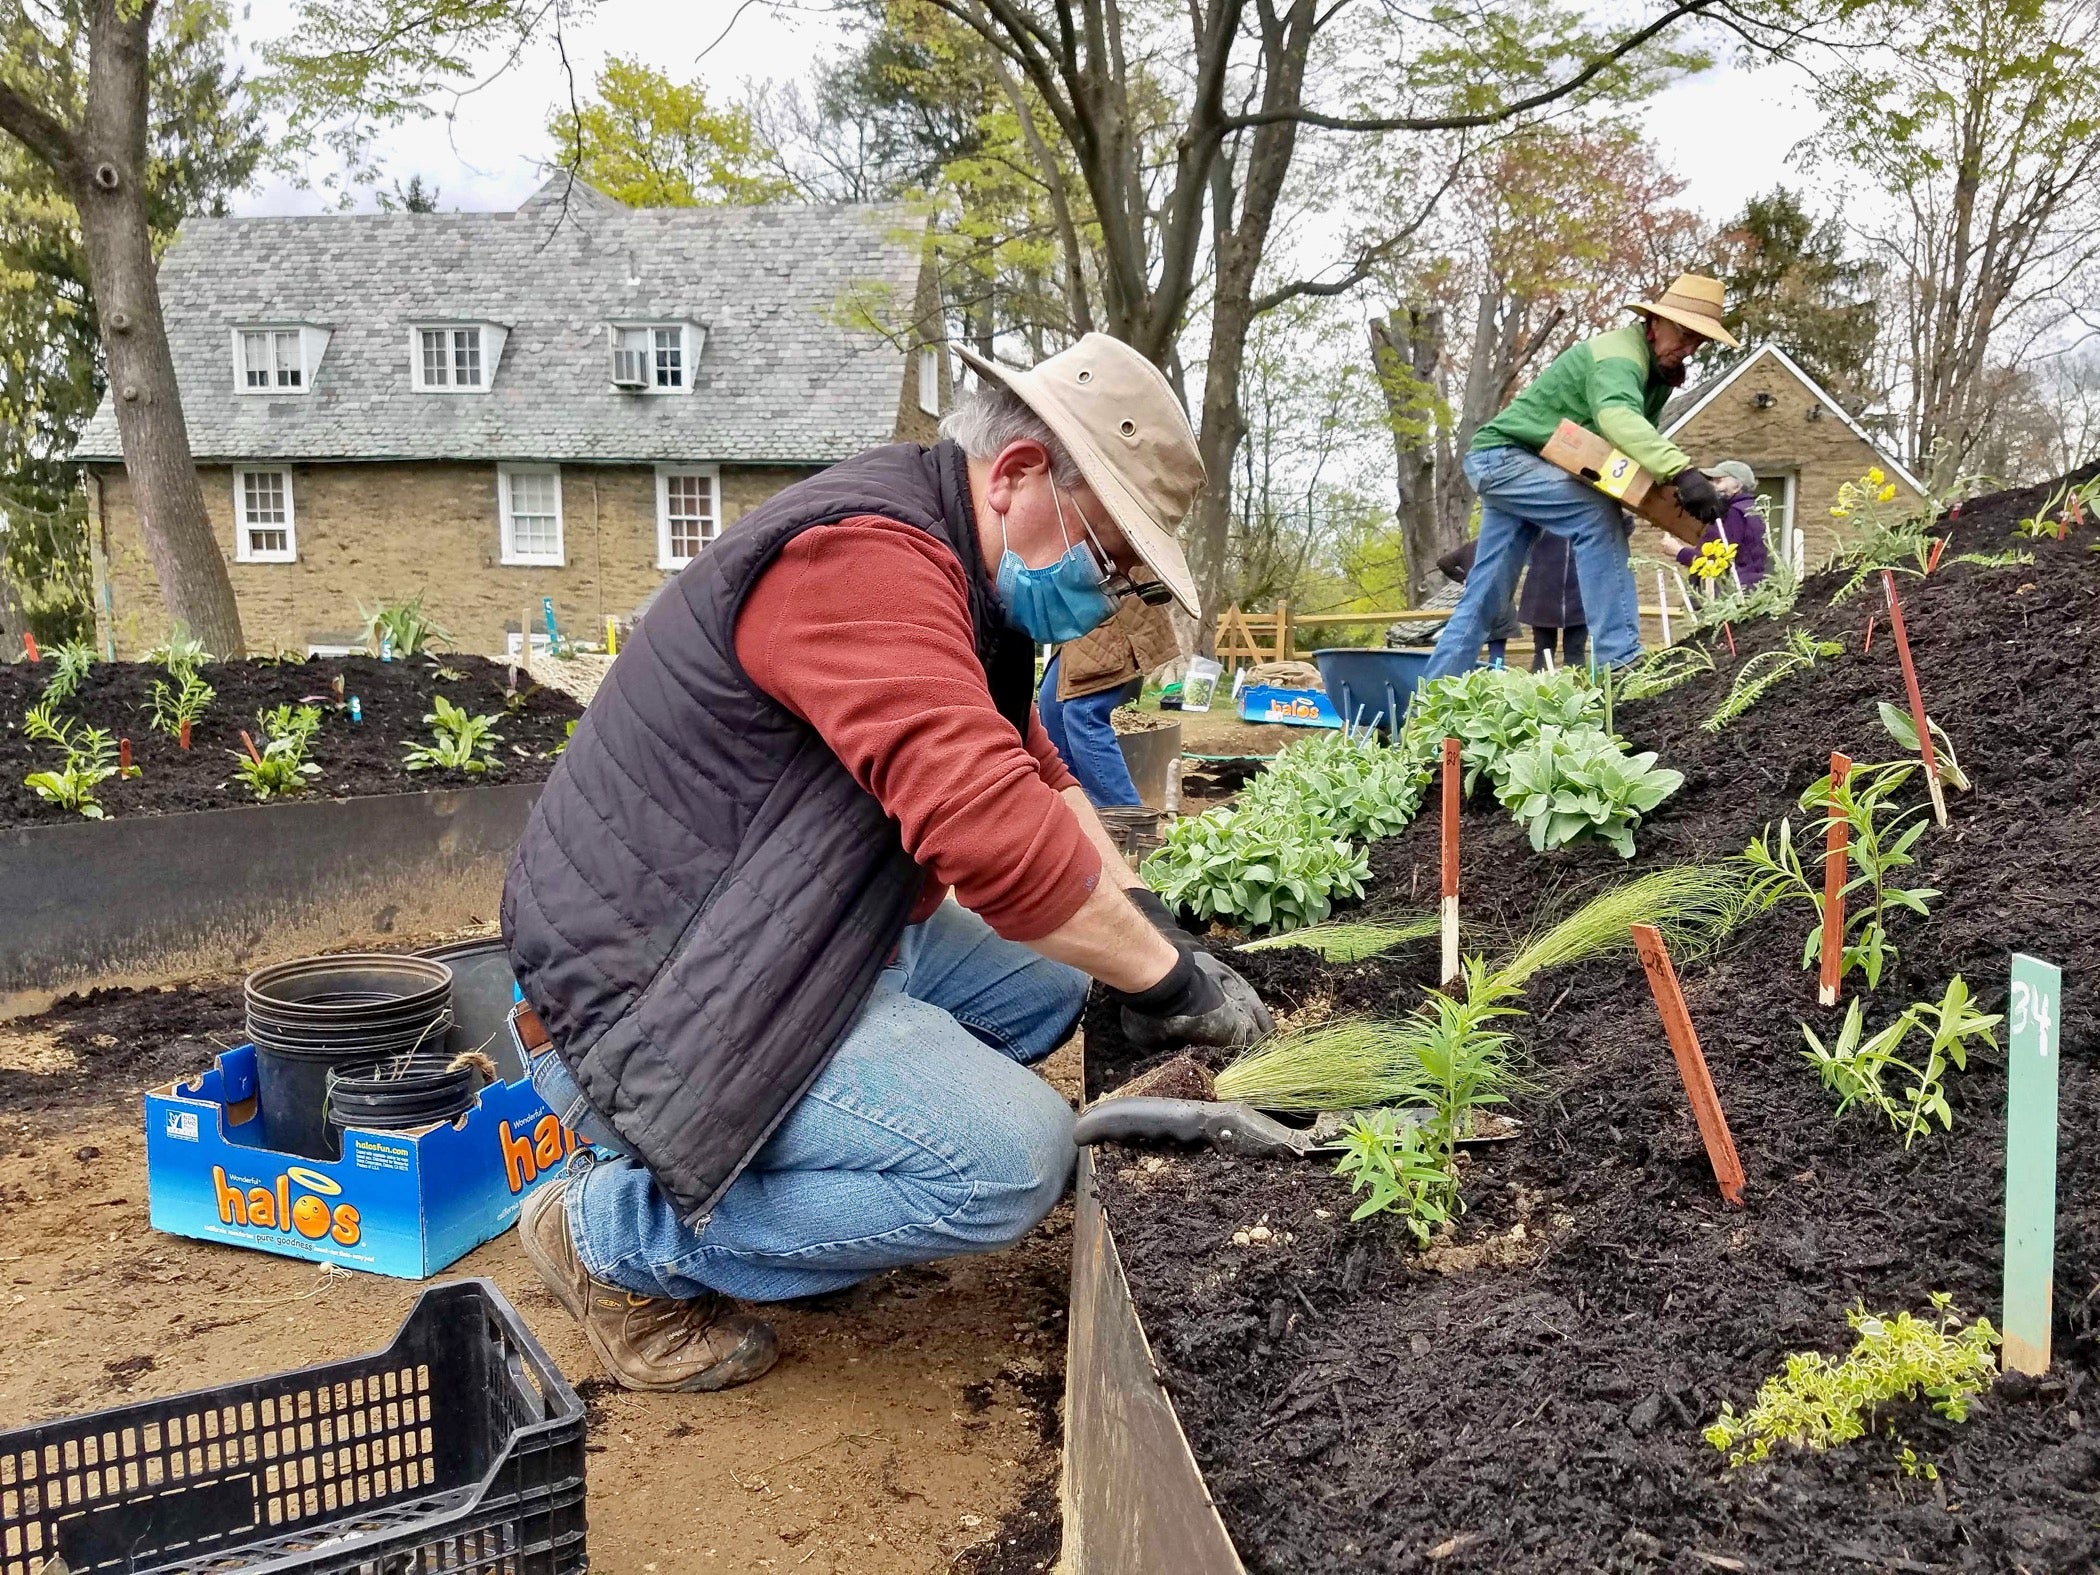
[(1693, 302), (1123, 427)]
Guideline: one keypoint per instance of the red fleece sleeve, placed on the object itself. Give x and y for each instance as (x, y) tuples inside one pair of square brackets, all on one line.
[(862, 629), (1049, 764)]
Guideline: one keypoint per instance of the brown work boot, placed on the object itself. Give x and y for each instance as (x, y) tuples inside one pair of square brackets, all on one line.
[(643, 1342)]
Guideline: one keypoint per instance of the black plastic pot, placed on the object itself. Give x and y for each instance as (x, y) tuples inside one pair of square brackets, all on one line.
[(406, 1091), (483, 991), (316, 1014)]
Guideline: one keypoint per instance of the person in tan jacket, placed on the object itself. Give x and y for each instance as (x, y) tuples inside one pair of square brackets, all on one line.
[(1087, 679)]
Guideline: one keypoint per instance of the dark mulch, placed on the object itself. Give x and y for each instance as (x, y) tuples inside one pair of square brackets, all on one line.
[(1354, 1409), (355, 759), (124, 1041)]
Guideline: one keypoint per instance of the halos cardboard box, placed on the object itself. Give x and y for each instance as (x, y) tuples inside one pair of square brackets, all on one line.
[(399, 1203)]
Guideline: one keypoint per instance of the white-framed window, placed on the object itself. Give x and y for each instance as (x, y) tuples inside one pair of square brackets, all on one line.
[(529, 500), (688, 512), (454, 358), (930, 379), (264, 530), (275, 360), (653, 358)]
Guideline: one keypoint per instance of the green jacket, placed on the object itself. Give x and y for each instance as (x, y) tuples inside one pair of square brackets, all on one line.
[(1602, 384)]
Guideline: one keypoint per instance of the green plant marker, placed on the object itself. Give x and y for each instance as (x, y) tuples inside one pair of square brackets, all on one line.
[(2030, 1163)]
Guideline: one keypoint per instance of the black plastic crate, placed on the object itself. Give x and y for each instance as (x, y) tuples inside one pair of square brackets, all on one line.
[(459, 1447)]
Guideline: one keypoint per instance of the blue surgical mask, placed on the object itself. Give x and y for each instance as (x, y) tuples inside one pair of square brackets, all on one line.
[(1060, 601)]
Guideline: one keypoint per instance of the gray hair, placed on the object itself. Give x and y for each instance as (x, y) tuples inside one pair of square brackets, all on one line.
[(992, 415)]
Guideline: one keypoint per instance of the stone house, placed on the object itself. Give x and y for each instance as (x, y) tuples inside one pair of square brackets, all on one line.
[(567, 402), (1800, 443)]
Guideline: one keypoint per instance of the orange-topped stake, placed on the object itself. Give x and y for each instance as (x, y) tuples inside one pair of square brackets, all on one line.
[(1448, 914), (1917, 699), (1691, 1063), (1837, 838)]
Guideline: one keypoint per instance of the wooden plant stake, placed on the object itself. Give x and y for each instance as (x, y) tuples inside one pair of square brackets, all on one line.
[(1837, 837), (1691, 1064), (248, 744), (123, 759), (1867, 646), (1917, 700), (182, 736), (1449, 906), (1939, 545), (1729, 631), (29, 647), (2030, 1165)]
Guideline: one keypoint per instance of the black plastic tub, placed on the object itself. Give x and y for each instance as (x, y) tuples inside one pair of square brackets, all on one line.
[(317, 1015), (401, 1093)]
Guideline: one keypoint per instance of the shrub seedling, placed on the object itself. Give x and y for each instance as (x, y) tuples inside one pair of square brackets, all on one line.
[(174, 707), (280, 767), (459, 741), (1854, 1068), (1817, 1404), (401, 629), (1905, 732), (91, 760), (69, 665), (1389, 1156)]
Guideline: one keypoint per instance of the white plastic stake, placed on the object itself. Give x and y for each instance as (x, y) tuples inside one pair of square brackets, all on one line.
[(1662, 605)]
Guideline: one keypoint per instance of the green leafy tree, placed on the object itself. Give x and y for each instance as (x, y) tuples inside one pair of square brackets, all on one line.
[(117, 118), (652, 142), (1791, 282)]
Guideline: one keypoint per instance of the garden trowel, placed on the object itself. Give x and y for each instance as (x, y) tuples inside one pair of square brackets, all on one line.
[(1232, 1128)]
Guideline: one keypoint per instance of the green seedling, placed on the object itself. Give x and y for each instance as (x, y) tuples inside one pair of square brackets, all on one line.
[(1276, 869), (1394, 1161), (180, 652), (280, 768), (91, 760), (459, 742), (1694, 905), (1772, 597), (1663, 669), (1356, 787), (178, 702), (1570, 785), (1858, 1069), (1879, 846), (1348, 943), (42, 723), (2012, 557), (1905, 732), (69, 664), (1493, 712), (1762, 673), (1817, 1403), (401, 629)]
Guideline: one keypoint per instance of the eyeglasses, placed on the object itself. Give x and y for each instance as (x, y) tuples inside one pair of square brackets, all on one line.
[(1153, 593)]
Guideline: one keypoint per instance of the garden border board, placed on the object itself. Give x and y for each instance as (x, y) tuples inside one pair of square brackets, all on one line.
[(1135, 1502), (147, 898)]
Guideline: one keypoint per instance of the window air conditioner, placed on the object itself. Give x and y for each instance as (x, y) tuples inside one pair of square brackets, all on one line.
[(630, 368)]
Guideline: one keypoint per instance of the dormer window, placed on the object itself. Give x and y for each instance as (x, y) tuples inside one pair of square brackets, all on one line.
[(654, 358), (277, 360), (454, 358)]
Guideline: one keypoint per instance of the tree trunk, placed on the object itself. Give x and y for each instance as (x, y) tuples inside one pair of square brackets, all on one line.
[(14, 617), (106, 181), (1405, 350)]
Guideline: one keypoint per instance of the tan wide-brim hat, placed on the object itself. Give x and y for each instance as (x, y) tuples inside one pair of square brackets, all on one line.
[(1119, 420), (1693, 302)]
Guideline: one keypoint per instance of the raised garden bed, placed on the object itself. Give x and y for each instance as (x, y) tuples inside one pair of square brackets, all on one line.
[(356, 760), (1533, 1398), (189, 876)]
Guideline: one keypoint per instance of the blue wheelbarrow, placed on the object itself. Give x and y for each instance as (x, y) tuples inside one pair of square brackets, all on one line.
[(1371, 688)]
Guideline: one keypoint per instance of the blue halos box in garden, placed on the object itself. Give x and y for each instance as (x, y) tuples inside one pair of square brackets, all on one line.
[(399, 1203), (1298, 707)]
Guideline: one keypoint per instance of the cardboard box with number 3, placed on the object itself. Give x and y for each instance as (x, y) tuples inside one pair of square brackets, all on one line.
[(1580, 452)]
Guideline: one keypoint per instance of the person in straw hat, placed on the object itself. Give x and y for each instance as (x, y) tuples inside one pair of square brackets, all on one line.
[(1616, 385), (809, 890)]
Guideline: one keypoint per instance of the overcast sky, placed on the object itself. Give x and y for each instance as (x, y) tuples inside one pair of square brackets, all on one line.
[(1727, 133)]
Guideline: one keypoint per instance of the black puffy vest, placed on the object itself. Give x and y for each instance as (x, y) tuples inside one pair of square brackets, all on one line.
[(703, 897)]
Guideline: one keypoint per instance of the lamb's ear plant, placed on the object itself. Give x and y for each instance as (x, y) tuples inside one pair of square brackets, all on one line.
[(460, 741), (1571, 785), (1762, 673), (1858, 1068), (1817, 1404)]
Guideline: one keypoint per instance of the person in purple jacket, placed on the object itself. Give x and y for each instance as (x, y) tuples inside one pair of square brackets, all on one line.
[(1741, 525)]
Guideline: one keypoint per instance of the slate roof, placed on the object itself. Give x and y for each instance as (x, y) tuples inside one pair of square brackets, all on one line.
[(780, 377)]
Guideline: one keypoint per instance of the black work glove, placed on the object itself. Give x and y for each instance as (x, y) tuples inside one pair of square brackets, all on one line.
[(1199, 1002), (1154, 907), (1698, 496)]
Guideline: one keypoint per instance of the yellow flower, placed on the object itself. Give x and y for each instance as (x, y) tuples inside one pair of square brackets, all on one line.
[(1887, 492), (1875, 476), (1839, 514)]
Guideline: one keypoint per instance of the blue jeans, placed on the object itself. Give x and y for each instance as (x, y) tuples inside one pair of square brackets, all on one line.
[(1081, 732), (926, 1136), (1520, 495)]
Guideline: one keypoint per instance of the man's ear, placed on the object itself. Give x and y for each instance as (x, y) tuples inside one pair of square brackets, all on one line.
[(1012, 466)]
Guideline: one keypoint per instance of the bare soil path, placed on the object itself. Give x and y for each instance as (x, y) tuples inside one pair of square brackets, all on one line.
[(906, 1419)]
